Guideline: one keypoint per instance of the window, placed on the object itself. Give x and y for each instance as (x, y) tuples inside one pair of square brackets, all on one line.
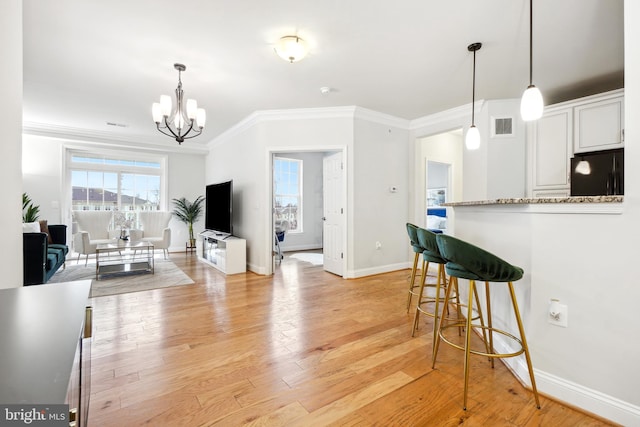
[(287, 178), (113, 183)]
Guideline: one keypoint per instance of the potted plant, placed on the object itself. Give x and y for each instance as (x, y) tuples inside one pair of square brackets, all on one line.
[(189, 212), (30, 212)]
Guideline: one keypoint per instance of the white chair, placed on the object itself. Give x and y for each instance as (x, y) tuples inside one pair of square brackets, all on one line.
[(155, 229), (92, 229)]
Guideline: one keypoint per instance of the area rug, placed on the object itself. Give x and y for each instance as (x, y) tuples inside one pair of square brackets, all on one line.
[(166, 275), (313, 258)]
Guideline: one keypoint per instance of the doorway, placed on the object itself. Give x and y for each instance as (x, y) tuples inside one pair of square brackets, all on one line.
[(306, 209), (438, 178), (438, 190)]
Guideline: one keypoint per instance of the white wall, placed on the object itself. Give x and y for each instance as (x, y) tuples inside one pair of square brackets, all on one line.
[(186, 178), (376, 155), (312, 203), (437, 175), (380, 159), (43, 180), (42, 160), (10, 170), (506, 160), (244, 155), (241, 158)]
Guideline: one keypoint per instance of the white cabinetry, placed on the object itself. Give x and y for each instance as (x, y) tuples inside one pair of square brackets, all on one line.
[(587, 124), (599, 124), (552, 145), (227, 254)]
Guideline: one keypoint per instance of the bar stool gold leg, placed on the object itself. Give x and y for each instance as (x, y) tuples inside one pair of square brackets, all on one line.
[(437, 318), (481, 317), (458, 305), (467, 342), (453, 282), (489, 323), (524, 344), (453, 285), (423, 279), (413, 279)]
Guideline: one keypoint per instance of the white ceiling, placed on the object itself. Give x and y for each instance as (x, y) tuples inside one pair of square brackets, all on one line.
[(89, 62)]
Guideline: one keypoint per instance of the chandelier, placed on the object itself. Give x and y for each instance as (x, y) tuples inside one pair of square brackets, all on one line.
[(182, 121)]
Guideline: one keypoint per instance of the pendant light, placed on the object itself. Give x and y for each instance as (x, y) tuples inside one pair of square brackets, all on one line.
[(531, 105), (472, 140)]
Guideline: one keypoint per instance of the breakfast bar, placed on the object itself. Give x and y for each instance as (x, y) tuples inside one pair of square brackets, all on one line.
[(565, 246)]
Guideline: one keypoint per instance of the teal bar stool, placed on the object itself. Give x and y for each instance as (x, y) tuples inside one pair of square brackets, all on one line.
[(412, 230), (470, 262), (431, 254)]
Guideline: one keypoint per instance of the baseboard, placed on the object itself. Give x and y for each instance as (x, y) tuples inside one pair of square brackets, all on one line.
[(256, 269), (565, 391), (353, 274), (308, 247)]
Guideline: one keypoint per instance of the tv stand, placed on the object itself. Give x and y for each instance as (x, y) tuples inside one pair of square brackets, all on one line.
[(224, 252)]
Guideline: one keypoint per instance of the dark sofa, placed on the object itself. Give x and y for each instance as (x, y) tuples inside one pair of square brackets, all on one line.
[(41, 258)]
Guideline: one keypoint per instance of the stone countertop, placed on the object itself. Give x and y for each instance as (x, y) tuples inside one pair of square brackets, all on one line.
[(540, 200)]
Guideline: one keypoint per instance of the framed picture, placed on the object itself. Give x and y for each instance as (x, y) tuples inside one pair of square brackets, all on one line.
[(436, 196)]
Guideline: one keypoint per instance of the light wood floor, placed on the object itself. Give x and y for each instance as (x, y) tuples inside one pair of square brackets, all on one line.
[(302, 347)]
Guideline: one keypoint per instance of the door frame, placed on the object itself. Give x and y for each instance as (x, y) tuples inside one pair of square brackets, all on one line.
[(422, 157), (268, 191)]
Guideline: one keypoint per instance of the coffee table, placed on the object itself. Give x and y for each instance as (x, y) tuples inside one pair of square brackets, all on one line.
[(124, 257)]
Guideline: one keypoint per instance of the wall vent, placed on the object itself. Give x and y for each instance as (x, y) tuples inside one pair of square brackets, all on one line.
[(120, 125), (502, 126)]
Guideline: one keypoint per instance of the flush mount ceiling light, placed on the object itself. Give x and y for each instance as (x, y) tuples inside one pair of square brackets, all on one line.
[(472, 140), (531, 105), (291, 48), (172, 122)]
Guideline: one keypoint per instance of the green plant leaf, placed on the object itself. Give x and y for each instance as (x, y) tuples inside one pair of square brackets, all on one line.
[(30, 212), (188, 212)]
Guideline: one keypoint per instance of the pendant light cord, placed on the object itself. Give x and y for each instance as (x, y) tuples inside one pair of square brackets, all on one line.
[(530, 42), (473, 47), (473, 92)]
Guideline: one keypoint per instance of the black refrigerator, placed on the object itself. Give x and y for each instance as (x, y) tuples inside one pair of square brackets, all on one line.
[(598, 173)]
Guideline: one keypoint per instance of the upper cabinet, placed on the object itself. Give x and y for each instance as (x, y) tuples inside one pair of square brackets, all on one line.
[(552, 139), (587, 124), (599, 123)]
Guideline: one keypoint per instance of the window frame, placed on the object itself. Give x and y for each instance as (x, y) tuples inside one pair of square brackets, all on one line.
[(299, 195), (123, 155)]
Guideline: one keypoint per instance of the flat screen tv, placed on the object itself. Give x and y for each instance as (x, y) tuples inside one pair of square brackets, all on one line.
[(218, 215), (599, 173)]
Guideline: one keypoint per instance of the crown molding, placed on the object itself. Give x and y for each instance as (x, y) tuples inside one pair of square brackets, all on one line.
[(452, 114), (277, 115), (351, 111), (382, 118), (108, 139), (457, 114)]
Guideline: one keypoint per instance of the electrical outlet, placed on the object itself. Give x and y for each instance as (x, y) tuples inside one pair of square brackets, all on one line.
[(378, 245), (558, 314)]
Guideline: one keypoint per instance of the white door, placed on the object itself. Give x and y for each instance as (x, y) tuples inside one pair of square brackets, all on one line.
[(333, 214)]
